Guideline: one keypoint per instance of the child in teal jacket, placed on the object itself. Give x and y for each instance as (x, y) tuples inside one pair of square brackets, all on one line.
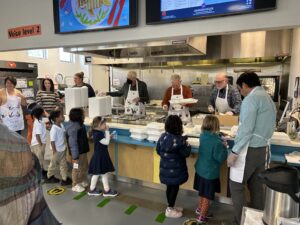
[(212, 153)]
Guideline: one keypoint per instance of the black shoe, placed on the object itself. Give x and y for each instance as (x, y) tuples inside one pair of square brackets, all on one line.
[(44, 174), (52, 179), (66, 182)]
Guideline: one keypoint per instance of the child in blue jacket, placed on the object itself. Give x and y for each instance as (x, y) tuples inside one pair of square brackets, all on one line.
[(173, 150), (212, 153)]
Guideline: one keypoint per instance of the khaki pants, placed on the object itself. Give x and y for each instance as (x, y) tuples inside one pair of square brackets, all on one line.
[(39, 151), (58, 162), (79, 175)]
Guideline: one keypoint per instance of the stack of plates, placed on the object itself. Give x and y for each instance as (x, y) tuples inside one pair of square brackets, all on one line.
[(154, 131), (138, 134)]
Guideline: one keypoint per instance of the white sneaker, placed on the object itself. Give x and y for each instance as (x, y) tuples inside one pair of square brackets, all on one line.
[(173, 213), (78, 188), (178, 208), (84, 184)]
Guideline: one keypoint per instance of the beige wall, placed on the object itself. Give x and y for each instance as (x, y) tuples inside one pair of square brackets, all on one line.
[(49, 66), (17, 13)]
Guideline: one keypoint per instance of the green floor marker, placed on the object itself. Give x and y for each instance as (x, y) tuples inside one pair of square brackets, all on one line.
[(79, 196), (131, 209), (160, 218), (103, 203)]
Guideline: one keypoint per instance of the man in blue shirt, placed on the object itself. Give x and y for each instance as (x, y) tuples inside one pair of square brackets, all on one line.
[(248, 156)]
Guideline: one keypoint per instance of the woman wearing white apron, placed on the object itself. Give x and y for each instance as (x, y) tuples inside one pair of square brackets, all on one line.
[(178, 109), (11, 105), (249, 153), (133, 107), (177, 92)]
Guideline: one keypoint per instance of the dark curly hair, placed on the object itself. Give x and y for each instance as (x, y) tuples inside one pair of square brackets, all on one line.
[(43, 84), (173, 125), (37, 112), (53, 115), (77, 115)]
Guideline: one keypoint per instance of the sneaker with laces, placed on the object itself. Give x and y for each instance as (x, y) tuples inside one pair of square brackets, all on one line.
[(178, 208), (84, 184), (201, 219), (209, 214), (110, 193), (95, 192), (78, 188), (172, 213)]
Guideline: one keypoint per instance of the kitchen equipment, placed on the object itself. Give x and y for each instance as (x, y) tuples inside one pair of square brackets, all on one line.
[(282, 193)]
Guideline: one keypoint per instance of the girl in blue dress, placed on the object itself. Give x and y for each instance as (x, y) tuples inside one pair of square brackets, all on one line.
[(100, 164)]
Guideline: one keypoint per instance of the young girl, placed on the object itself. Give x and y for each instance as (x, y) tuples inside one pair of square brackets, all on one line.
[(212, 152), (79, 147), (38, 141), (173, 150), (101, 163), (57, 137)]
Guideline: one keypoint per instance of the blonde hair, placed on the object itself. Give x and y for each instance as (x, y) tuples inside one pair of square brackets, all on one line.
[(175, 77), (211, 123), (132, 74), (96, 122), (79, 75)]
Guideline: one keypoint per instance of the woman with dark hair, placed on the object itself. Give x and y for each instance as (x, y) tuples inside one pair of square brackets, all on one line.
[(47, 97), (78, 80), (11, 102), (173, 150), (79, 147)]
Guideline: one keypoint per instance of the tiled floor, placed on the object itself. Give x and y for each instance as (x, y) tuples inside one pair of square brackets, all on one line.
[(150, 202)]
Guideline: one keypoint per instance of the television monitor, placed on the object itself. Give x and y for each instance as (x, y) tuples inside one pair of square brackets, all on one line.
[(89, 15), (164, 11)]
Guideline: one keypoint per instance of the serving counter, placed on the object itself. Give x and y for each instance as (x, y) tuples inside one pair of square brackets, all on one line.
[(138, 160)]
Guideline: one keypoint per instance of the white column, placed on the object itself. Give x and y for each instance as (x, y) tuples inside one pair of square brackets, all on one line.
[(295, 62)]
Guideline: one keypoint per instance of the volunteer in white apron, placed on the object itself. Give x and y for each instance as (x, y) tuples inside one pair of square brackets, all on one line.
[(222, 105), (179, 109), (133, 107), (11, 106), (224, 97), (250, 153)]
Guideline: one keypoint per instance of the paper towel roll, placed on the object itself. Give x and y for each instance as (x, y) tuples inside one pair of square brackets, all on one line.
[(72, 98), (84, 96)]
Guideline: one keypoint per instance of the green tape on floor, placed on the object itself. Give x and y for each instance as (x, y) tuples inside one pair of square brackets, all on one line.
[(103, 203), (131, 209), (79, 196), (160, 218)]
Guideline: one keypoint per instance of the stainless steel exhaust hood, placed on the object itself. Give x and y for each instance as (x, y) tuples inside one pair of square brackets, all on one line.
[(201, 51)]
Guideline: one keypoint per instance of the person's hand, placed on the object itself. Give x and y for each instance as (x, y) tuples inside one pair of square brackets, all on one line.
[(20, 95), (165, 107), (231, 159), (136, 100), (210, 109), (101, 94), (229, 113)]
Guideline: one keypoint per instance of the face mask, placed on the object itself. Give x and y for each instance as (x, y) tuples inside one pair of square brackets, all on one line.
[(129, 81)]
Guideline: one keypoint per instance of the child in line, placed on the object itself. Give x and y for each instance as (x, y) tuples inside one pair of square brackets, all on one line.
[(212, 153), (100, 163), (38, 140), (173, 150), (58, 160), (79, 147)]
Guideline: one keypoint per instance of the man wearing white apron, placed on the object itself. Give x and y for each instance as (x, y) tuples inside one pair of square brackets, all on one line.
[(132, 106), (249, 153), (177, 92), (11, 101), (224, 97)]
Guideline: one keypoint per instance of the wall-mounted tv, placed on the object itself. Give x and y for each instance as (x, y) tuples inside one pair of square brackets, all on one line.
[(89, 15), (164, 11)]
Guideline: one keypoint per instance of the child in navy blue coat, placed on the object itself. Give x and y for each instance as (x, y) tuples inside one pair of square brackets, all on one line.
[(100, 163), (173, 150)]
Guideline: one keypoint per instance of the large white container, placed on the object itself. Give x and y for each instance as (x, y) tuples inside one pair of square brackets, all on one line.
[(99, 106), (72, 98)]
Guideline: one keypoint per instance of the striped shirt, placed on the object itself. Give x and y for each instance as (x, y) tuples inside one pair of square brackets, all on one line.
[(48, 100)]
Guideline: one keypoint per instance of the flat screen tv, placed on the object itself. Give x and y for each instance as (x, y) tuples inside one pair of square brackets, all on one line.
[(164, 11), (89, 15)]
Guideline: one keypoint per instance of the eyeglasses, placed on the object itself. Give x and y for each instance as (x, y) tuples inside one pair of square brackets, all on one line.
[(219, 81)]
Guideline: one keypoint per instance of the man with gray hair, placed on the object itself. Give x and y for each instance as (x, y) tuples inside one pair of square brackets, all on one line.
[(135, 93), (224, 97), (177, 91)]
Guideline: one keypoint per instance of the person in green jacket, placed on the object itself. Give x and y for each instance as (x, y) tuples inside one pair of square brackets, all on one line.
[(212, 153)]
